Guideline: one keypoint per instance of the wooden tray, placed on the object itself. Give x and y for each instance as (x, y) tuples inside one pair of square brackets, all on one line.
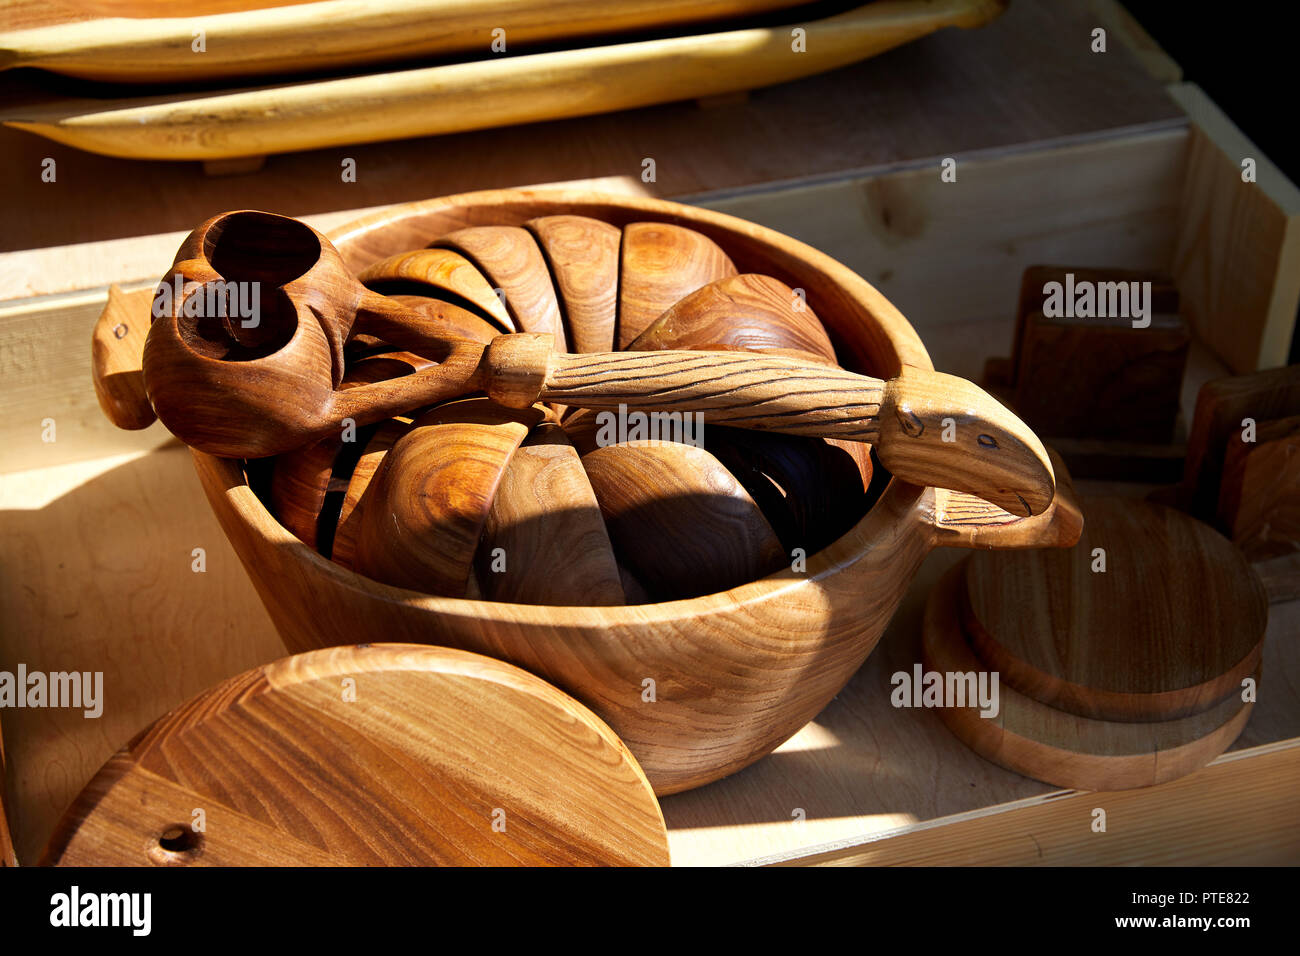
[(485, 93), (153, 42)]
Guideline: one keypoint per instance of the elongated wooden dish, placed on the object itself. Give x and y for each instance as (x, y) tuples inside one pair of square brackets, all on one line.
[(697, 688), (486, 93), (153, 43)]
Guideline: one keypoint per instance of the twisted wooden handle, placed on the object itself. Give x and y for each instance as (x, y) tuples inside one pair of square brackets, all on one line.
[(928, 428)]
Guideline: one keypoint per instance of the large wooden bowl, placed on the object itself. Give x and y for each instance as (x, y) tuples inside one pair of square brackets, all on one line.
[(698, 688)]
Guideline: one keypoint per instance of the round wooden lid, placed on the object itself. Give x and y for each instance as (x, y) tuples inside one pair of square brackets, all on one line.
[(1152, 615), (386, 754), (1061, 748)]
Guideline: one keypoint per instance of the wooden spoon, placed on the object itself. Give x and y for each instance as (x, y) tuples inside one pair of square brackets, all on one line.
[(443, 273), (420, 519), (303, 479), (512, 261), (249, 393), (545, 526), (584, 256), (256, 391), (679, 520), (661, 265), (751, 312)]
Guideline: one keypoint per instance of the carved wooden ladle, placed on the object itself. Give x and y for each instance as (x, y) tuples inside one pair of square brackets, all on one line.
[(235, 388)]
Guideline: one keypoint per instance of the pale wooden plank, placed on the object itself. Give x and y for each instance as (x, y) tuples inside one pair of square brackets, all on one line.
[(1238, 811), (97, 559), (1237, 262), (953, 251)]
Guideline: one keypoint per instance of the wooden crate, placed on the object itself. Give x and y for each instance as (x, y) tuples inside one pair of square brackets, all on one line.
[(1092, 163)]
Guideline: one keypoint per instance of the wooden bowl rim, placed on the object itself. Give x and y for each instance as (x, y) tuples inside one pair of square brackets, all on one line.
[(898, 499)]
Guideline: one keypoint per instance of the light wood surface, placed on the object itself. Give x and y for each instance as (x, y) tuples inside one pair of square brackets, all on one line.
[(1235, 812), (795, 128), (494, 92), (151, 42), (1172, 625), (383, 754), (1058, 747)]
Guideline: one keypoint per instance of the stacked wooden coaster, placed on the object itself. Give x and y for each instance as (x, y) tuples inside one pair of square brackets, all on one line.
[(1126, 661)]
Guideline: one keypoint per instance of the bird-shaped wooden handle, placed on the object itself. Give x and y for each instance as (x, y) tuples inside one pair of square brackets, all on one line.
[(928, 428)]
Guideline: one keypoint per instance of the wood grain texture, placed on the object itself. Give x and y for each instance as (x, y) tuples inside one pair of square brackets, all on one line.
[(1259, 497), (965, 521), (1170, 628), (546, 521), (223, 383), (661, 264), (757, 688), (491, 92), (1238, 242), (1094, 378), (381, 754), (809, 490), (441, 271), (583, 255), (138, 583), (1222, 406), (928, 428), (420, 519), (679, 520), (347, 523), (303, 480), (117, 343), (1234, 812), (143, 42), (7, 855), (300, 480), (1061, 748), (752, 312), (1033, 296), (511, 261)]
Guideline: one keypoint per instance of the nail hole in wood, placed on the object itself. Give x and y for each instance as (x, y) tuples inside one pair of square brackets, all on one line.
[(177, 845)]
